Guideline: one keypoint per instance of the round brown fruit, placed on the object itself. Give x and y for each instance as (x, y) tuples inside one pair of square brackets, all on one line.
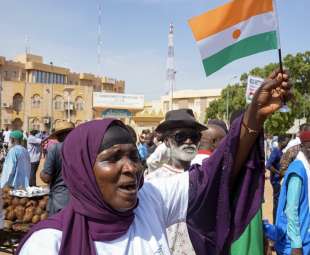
[(11, 215), (30, 210), (27, 218), (35, 219), (38, 211), (20, 212), (23, 201), (15, 201), (44, 216), (42, 204)]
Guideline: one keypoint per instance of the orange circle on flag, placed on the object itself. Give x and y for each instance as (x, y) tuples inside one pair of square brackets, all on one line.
[(236, 34)]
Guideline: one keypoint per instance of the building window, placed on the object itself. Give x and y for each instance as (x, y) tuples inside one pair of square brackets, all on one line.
[(35, 101), (36, 73), (17, 102), (79, 104), (34, 76), (59, 103)]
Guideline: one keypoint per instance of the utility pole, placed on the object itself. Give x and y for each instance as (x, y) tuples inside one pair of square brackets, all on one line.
[(99, 39), (171, 64)]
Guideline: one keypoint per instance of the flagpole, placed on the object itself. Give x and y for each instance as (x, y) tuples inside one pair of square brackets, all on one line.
[(280, 60), (278, 35), (284, 107)]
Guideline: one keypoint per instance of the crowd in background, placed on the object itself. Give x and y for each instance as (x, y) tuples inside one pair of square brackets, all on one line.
[(163, 152)]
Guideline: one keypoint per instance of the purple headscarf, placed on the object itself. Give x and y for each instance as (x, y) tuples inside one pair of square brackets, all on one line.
[(87, 218)]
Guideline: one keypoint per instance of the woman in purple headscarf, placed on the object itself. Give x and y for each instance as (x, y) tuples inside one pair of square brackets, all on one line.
[(112, 211)]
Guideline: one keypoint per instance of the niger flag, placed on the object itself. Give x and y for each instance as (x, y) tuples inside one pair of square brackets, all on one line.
[(237, 29)]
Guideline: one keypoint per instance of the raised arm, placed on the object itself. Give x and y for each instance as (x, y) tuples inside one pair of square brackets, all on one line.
[(268, 99), (226, 192)]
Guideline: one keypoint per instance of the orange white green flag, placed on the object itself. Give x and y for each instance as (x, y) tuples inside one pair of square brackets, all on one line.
[(234, 30)]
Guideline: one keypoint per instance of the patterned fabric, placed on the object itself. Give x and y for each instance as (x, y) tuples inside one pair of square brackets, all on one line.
[(178, 238), (288, 157)]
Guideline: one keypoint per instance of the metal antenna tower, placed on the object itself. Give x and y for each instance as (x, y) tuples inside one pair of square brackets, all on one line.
[(99, 39), (27, 45), (171, 64)]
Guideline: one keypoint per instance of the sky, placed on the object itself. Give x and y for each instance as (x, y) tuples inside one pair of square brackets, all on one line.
[(135, 39)]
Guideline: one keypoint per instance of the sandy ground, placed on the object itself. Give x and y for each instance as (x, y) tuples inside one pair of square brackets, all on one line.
[(267, 206)]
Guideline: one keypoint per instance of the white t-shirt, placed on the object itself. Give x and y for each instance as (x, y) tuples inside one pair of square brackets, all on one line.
[(6, 136), (162, 202), (178, 238)]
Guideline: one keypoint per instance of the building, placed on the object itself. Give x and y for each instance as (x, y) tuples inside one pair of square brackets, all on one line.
[(197, 100), (116, 105), (149, 117), (36, 95)]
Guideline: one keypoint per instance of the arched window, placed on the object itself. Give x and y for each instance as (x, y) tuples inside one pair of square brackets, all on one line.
[(79, 104), (35, 124), (35, 101), (17, 102), (59, 103)]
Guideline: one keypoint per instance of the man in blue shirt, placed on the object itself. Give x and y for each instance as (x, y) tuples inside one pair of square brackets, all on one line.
[(142, 148), (16, 167), (291, 231), (273, 165)]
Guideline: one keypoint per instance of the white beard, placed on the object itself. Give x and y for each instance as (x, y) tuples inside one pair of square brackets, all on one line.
[(184, 152)]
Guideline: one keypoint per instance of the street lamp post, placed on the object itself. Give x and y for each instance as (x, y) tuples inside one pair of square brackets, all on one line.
[(227, 98)]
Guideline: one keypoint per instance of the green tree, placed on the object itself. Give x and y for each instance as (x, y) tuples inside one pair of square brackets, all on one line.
[(233, 96), (299, 68)]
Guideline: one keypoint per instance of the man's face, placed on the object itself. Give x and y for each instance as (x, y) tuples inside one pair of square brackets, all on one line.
[(142, 138), (183, 143), (149, 139), (283, 144), (212, 137)]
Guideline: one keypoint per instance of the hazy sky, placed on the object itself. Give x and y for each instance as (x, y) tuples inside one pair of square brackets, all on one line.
[(134, 39)]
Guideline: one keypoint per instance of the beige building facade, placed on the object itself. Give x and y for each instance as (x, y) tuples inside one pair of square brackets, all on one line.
[(149, 118), (197, 100), (36, 95)]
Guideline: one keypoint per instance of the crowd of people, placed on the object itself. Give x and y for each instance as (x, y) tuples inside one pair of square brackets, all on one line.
[(183, 188)]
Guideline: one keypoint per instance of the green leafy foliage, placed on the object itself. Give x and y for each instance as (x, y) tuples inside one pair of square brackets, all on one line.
[(278, 123)]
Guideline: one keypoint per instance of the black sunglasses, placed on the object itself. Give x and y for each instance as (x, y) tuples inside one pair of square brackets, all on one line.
[(182, 136)]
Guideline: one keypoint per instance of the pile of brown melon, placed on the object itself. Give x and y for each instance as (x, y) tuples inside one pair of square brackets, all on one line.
[(22, 212)]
